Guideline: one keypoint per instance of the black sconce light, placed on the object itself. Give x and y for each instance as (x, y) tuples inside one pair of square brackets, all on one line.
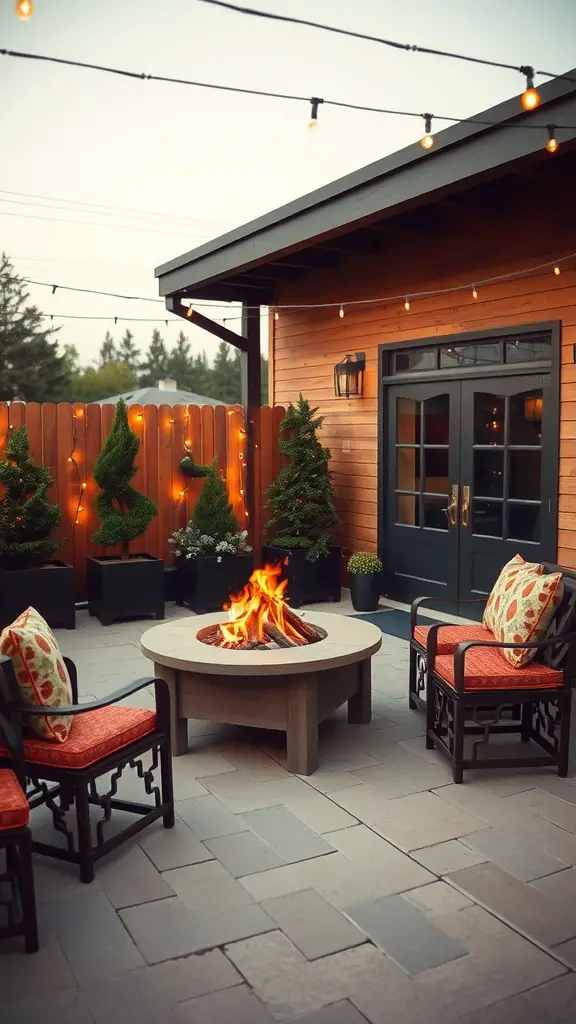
[(349, 376)]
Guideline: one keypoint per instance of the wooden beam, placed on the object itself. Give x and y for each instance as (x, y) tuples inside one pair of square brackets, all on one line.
[(176, 306), (252, 400)]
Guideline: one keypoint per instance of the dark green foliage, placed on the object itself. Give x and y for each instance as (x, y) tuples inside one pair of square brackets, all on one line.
[(213, 515), (155, 364), (192, 469), (124, 512), (301, 497), (27, 518)]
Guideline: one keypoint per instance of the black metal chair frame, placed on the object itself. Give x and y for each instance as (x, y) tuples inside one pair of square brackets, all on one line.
[(18, 876), (544, 716), (418, 670), (77, 787)]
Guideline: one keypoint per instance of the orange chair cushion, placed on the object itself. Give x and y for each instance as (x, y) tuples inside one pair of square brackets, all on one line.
[(449, 636), (486, 669), (509, 577), (14, 810), (94, 735), (40, 672)]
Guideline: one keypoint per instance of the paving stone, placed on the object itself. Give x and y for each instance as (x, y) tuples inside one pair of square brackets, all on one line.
[(85, 925), (98, 967), (548, 920), (286, 834), (199, 763), (421, 819), (244, 854), (315, 927), (173, 847), (62, 1007), (551, 808), (400, 779), (437, 899), (51, 970), (450, 856), (208, 818), (232, 1006), (513, 852), (128, 877), (557, 998), (567, 950), (405, 934), (336, 1013), (370, 851), (241, 794), (202, 886), (319, 813), (518, 1010), (326, 781), (559, 887)]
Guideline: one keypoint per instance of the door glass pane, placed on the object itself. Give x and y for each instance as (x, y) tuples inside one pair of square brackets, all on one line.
[(413, 360), (487, 517), (469, 355), (526, 418), (524, 522), (408, 469), (436, 470), (408, 509), (527, 350), (437, 420), (488, 473), (488, 419), (407, 421), (434, 515), (524, 474)]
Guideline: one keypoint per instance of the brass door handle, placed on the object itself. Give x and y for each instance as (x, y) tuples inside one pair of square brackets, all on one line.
[(465, 505), (452, 509)]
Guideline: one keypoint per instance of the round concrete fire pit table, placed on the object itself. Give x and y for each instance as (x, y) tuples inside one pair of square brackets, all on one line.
[(290, 689)]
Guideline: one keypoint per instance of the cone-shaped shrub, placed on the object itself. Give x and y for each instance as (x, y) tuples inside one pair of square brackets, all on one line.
[(213, 515), (27, 518)]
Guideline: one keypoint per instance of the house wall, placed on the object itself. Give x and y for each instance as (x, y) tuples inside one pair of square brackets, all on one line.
[(531, 226)]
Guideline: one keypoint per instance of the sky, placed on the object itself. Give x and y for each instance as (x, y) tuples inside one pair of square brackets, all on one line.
[(194, 163)]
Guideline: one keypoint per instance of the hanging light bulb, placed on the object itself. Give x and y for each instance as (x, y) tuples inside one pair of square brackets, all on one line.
[(552, 144), (556, 269), (474, 292), (24, 9), (276, 314), (341, 313), (530, 98), (315, 102), (189, 311), (427, 140), (406, 303)]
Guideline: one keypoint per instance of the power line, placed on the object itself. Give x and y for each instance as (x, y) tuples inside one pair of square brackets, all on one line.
[(100, 206), (110, 295), (93, 223), (394, 44)]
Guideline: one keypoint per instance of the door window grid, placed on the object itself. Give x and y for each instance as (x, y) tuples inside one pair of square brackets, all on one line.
[(422, 469), (506, 350)]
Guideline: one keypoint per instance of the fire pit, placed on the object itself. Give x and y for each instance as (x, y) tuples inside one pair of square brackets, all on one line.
[(266, 667)]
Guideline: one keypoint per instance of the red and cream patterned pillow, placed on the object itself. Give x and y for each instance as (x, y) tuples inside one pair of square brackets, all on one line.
[(507, 580), (40, 670), (527, 609)]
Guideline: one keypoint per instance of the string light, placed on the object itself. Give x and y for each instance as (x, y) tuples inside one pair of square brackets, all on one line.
[(530, 98), (341, 312), (427, 140), (276, 314), (189, 312), (556, 269), (24, 9), (406, 303), (474, 292), (552, 144), (315, 102)]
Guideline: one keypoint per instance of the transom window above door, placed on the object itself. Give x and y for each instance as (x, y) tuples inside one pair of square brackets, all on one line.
[(503, 350)]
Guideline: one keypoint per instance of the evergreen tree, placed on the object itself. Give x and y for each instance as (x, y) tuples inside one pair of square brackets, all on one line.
[(180, 363), (127, 352), (91, 385), (202, 375), (213, 515), (108, 353), (27, 518), (301, 497), (31, 368), (226, 374), (123, 511), (155, 365)]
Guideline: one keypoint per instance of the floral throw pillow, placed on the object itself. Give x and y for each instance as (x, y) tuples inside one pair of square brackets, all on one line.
[(40, 671), (527, 610), (507, 579)]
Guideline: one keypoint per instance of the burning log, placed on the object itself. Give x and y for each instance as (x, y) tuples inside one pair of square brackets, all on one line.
[(309, 633), (279, 638)]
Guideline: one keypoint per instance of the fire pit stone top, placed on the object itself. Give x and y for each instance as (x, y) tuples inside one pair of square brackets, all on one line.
[(176, 645)]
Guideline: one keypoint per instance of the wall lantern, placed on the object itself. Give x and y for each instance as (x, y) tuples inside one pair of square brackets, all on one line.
[(349, 376), (533, 410)]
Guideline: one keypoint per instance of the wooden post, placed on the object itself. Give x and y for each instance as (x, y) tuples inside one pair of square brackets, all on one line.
[(251, 400)]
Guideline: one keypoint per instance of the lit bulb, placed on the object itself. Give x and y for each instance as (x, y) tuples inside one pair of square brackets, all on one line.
[(83, 485), (474, 292), (556, 270), (189, 311), (552, 144), (276, 314), (80, 509), (77, 521), (341, 313), (24, 9), (530, 99), (407, 304), (79, 412), (181, 494), (427, 140), (70, 459), (140, 416)]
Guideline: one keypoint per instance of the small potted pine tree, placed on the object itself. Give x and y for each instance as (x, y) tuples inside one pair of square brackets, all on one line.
[(123, 585), (29, 575), (301, 501), (365, 579), (212, 555)]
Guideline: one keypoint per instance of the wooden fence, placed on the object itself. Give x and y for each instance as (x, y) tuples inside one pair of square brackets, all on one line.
[(67, 438)]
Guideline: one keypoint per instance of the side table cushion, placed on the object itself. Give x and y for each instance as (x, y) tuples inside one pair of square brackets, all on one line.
[(14, 810)]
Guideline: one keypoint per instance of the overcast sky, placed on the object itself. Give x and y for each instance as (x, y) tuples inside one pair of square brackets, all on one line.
[(208, 161)]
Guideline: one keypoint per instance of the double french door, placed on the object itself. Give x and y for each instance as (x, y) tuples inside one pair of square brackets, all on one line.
[(469, 483)]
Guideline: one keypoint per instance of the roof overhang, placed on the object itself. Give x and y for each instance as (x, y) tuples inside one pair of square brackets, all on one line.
[(247, 263)]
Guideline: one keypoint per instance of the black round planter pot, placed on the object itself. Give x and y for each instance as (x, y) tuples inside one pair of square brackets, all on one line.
[(365, 590)]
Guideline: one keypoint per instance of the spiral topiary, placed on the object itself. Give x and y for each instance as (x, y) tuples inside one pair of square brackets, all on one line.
[(123, 511), (364, 562)]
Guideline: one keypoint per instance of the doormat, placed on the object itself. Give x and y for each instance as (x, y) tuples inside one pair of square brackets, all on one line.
[(393, 621)]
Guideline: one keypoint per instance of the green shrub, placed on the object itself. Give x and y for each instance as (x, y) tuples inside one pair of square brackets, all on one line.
[(27, 517), (364, 562)]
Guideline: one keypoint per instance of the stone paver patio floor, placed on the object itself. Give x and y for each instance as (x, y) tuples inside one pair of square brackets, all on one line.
[(373, 890)]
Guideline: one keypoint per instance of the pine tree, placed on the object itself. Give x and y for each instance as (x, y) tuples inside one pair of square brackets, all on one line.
[(31, 368), (301, 497), (213, 515), (27, 518), (155, 365), (226, 374), (123, 511), (180, 363), (108, 353), (127, 352)]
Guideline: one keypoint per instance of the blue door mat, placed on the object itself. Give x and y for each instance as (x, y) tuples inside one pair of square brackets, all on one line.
[(393, 621)]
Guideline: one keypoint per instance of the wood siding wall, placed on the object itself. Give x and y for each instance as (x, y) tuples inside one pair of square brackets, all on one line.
[(469, 245), (67, 438)]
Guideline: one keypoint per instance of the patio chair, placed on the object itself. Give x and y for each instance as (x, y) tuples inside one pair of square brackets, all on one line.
[(17, 880), (104, 740)]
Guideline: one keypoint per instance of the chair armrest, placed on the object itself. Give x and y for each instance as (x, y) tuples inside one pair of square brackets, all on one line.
[(438, 600), (460, 652), (14, 745), (94, 705)]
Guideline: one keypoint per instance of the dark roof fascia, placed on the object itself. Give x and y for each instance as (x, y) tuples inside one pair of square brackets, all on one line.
[(461, 152)]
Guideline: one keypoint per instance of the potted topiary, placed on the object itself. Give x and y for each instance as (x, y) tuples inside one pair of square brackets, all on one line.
[(303, 514), (29, 575), (124, 585), (212, 556), (365, 579)]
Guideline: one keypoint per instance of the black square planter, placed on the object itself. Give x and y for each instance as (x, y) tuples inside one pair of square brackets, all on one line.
[(205, 584), (49, 588), (125, 588), (308, 582)]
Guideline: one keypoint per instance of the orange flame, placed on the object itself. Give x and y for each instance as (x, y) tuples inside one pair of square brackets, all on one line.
[(262, 601)]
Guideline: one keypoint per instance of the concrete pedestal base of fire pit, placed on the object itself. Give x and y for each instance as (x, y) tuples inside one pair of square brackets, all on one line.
[(287, 689)]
